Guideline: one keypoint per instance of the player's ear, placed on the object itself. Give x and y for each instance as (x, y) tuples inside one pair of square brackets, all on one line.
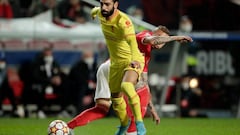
[(116, 4)]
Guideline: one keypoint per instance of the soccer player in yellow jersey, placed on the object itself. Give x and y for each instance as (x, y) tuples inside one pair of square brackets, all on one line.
[(126, 62)]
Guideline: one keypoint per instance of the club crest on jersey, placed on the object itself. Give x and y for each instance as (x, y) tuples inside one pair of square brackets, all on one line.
[(127, 23)]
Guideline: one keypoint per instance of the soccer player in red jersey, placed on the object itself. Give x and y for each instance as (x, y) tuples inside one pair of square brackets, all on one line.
[(148, 40)]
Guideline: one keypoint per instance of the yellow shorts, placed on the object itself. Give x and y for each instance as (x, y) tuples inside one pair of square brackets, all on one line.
[(116, 75)]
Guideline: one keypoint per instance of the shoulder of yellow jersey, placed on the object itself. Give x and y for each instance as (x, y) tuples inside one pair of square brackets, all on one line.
[(94, 12), (124, 20)]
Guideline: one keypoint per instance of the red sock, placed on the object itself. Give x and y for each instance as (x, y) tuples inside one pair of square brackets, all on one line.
[(132, 126), (144, 95), (94, 113)]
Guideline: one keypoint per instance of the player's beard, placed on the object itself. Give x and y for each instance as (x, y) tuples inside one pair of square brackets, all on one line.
[(107, 13)]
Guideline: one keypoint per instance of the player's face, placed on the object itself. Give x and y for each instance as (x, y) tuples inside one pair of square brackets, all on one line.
[(159, 33), (107, 7)]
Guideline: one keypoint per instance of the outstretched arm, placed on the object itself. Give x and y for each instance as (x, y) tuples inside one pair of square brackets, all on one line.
[(153, 111), (161, 40)]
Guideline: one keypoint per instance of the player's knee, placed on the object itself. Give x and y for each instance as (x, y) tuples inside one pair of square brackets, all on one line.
[(104, 105), (116, 95), (103, 102), (126, 86), (118, 103)]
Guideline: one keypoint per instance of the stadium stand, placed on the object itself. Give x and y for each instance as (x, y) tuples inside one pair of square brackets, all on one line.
[(38, 44), (14, 44), (62, 45)]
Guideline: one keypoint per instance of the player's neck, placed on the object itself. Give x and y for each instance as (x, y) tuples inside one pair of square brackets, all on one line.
[(115, 13)]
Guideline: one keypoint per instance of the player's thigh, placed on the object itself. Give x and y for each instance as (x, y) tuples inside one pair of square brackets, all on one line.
[(115, 79), (103, 70), (132, 74), (102, 89)]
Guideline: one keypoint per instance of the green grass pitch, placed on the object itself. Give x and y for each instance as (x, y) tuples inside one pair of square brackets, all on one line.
[(107, 126)]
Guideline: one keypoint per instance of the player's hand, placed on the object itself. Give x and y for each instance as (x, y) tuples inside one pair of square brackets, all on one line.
[(94, 16), (135, 64), (184, 39), (155, 116), (94, 12)]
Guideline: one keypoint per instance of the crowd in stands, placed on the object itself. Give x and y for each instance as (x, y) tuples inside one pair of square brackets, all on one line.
[(43, 82), (5, 89), (65, 13), (71, 10), (46, 84)]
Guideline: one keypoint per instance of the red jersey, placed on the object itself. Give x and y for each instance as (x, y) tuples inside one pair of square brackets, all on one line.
[(6, 11), (144, 48)]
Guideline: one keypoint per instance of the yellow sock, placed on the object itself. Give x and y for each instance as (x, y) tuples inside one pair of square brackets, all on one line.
[(119, 106), (134, 101)]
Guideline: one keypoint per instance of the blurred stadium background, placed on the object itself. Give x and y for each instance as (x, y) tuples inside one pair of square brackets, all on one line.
[(210, 65)]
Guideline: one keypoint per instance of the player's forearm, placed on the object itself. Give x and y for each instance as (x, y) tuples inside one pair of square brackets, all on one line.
[(156, 40), (155, 116), (151, 106)]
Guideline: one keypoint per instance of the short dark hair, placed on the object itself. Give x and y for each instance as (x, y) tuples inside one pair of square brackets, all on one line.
[(164, 29), (114, 0)]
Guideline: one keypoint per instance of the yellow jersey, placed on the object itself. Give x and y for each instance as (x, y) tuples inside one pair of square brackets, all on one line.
[(120, 37)]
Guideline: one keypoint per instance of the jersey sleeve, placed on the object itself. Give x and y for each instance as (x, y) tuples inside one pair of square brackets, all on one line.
[(144, 48), (140, 36), (94, 12), (129, 33)]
